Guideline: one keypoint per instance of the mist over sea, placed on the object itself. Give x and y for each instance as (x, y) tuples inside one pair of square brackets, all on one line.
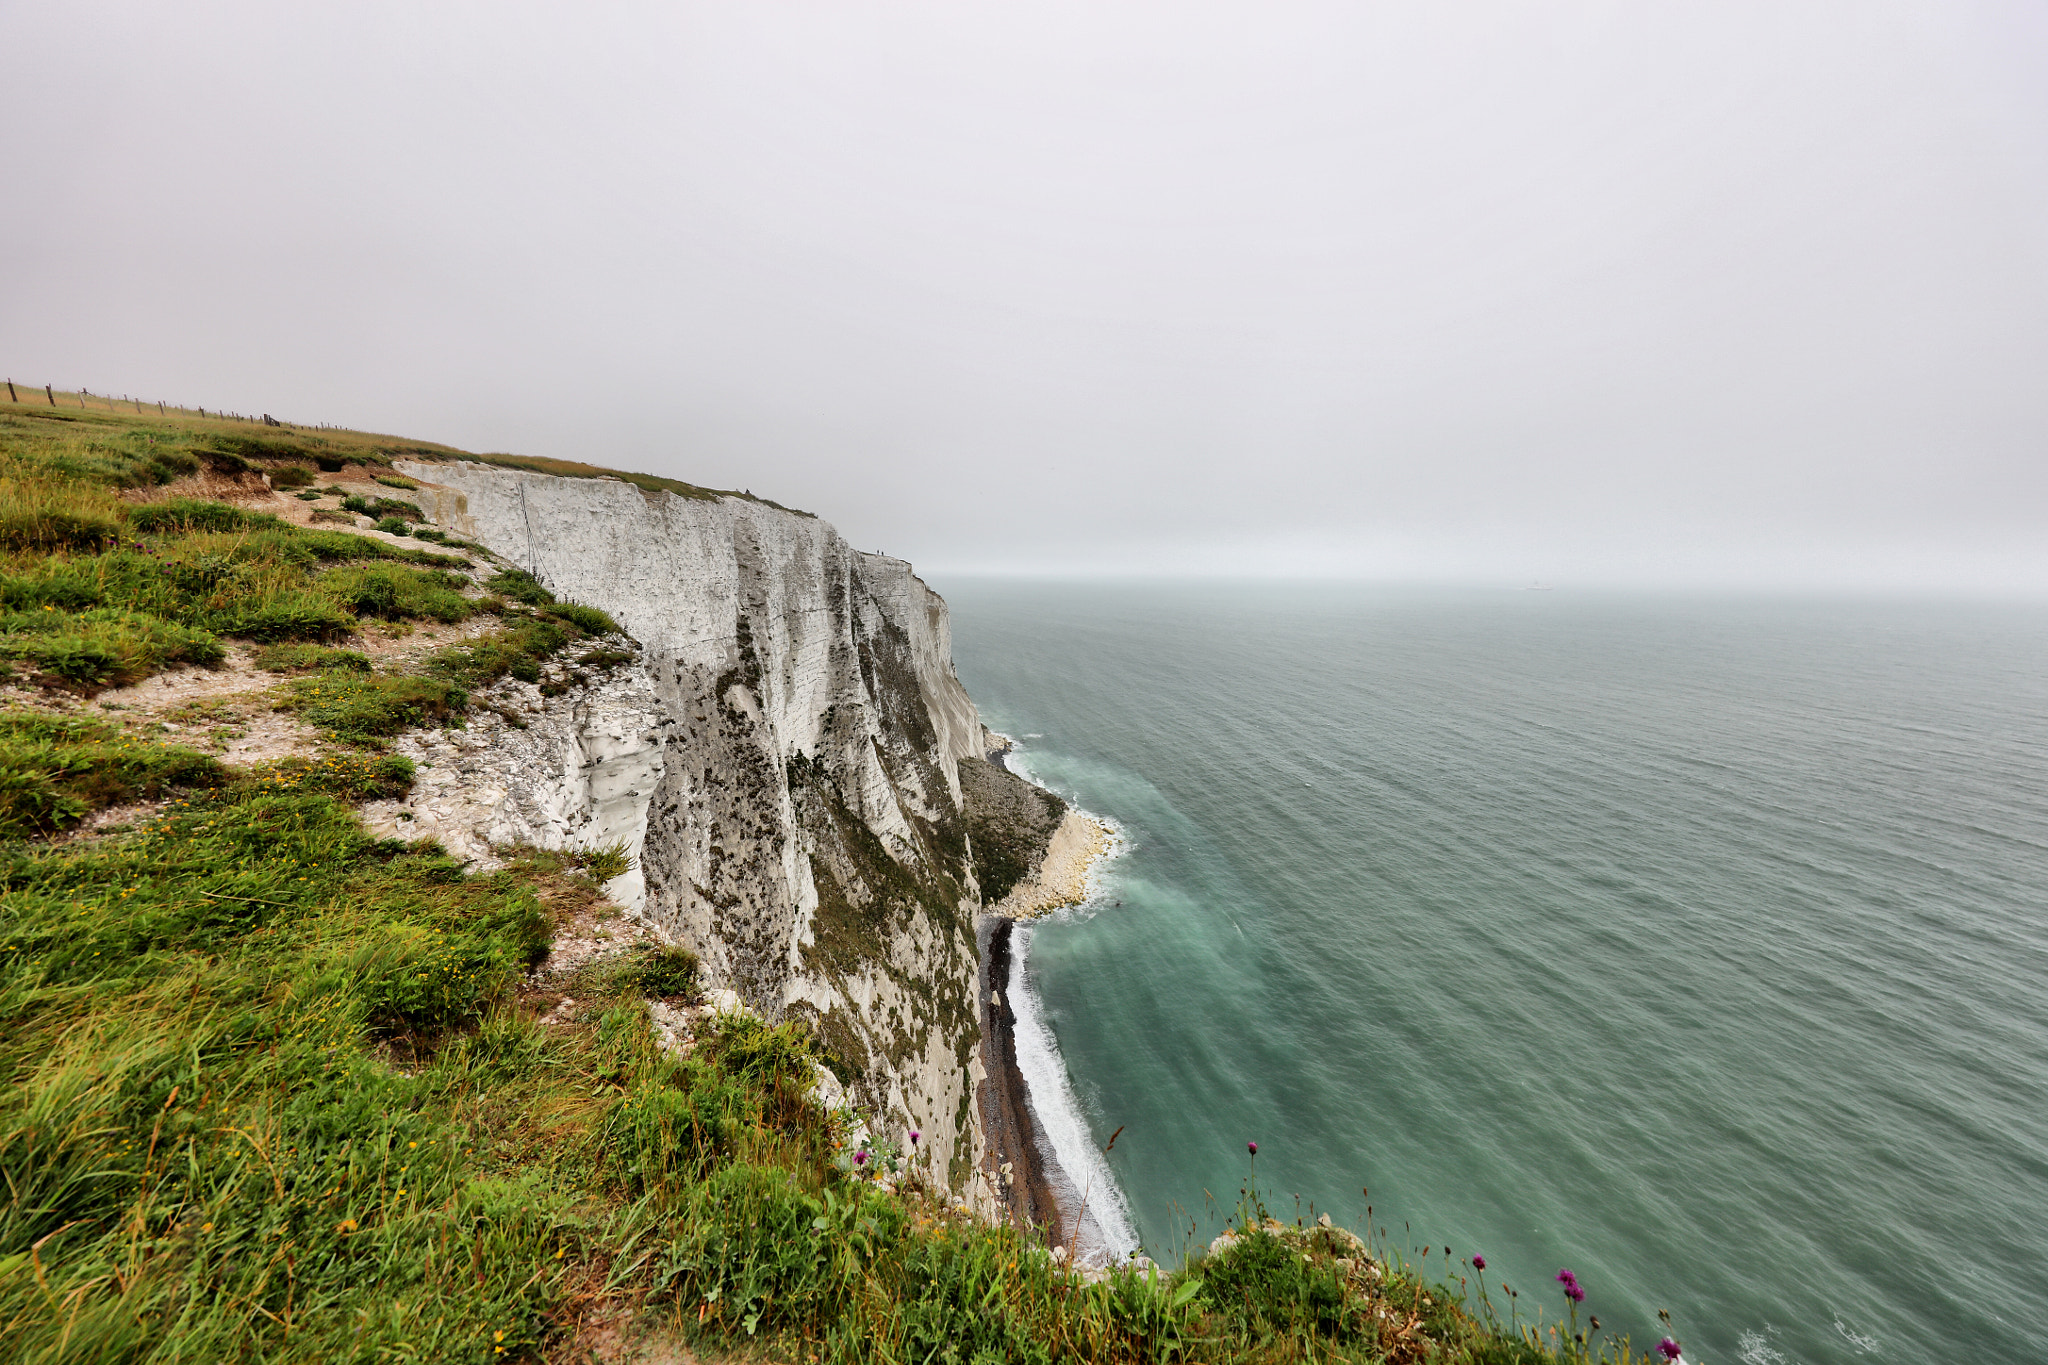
[(1697, 944)]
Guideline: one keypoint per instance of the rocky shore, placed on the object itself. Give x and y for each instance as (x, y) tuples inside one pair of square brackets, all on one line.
[(1020, 1164)]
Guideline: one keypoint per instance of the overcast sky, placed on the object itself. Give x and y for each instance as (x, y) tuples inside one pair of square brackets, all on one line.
[(1638, 293)]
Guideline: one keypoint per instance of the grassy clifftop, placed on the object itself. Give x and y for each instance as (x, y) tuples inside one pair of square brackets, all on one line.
[(278, 1089), (95, 435)]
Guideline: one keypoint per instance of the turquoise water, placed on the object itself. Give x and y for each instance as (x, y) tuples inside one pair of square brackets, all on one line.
[(1698, 945)]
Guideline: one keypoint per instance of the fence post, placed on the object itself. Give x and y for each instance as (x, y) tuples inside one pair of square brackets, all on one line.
[(10, 392), (49, 395), (159, 407)]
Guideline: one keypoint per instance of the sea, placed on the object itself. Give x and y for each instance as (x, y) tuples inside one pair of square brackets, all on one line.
[(1697, 944)]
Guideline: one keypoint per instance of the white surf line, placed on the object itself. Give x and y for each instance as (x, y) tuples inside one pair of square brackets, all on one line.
[(1058, 1111), (1119, 839), (1100, 1205)]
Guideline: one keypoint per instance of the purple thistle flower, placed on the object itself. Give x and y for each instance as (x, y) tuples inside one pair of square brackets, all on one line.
[(1252, 1147), (1479, 1263), (860, 1158), (1668, 1348), (914, 1135)]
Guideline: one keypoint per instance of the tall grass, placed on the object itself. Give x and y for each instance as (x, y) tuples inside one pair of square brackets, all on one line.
[(56, 513)]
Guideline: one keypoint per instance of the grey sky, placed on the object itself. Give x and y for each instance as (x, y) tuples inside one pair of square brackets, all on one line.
[(1633, 292)]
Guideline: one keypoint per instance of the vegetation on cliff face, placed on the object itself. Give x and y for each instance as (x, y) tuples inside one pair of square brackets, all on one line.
[(1010, 822), (272, 1088)]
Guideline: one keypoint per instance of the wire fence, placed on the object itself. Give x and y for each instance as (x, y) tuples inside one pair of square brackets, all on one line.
[(87, 401)]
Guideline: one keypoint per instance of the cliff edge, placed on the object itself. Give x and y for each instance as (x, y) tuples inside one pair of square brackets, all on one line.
[(782, 764)]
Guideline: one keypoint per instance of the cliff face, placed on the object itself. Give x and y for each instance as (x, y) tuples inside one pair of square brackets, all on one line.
[(783, 759)]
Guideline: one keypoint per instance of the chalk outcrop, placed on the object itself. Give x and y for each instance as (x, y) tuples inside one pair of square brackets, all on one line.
[(567, 768), (1060, 878), (1032, 854), (783, 756)]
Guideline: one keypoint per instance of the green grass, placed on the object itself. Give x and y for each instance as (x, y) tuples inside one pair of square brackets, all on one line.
[(398, 592), (667, 973), (520, 586), (298, 658), (99, 648), (358, 706), (48, 513), (353, 777), (55, 770), (225, 1167), (369, 709), (96, 593), (269, 1087)]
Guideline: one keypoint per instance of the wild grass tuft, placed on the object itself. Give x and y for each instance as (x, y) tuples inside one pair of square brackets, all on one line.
[(55, 770), (99, 648), (666, 973), (298, 658), (518, 649), (52, 513), (398, 592), (194, 514), (369, 709)]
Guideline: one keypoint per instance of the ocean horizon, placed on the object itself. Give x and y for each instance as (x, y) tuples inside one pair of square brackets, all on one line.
[(1693, 942)]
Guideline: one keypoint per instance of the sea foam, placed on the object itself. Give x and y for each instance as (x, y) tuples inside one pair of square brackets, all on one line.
[(1105, 1234)]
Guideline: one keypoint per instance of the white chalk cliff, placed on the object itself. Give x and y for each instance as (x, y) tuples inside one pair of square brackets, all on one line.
[(782, 760)]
